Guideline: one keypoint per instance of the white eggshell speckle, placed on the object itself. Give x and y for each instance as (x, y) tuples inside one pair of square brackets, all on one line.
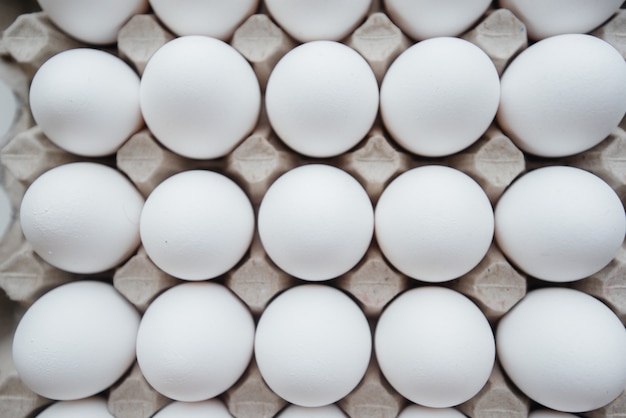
[(418, 411), (328, 411), (95, 407), (313, 20), (322, 98), (215, 18), (86, 101), (92, 21), (434, 346), (199, 97), (439, 96), (563, 95), (312, 345), (213, 408), (434, 223), (194, 341), (544, 18), (197, 225), (82, 217), (564, 349), (316, 222), (423, 19), (560, 223), (75, 341)]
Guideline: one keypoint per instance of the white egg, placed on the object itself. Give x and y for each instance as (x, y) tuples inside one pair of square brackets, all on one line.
[(434, 223), (197, 225), (423, 19), (564, 349), (199, 97), (322, 98), (316, 222), (86, 101), (418, 411), (195, 341), (312, 345), (560, 223), (439, 96), (215, 18), (82, 217), (75, 341), (92, 21), (544, 18), (328, 411), (95, 407), (313, 20), (213, 408), (563, 95), (434, 346), (546, 413)]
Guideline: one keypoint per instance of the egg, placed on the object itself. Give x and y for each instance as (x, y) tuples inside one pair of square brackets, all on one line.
[(213, 18), (312, 345), (434, 223), (199, 97), (328, 411), (313, 20), (322, 98), (195, 341), (439, 96), (92, 21), (82, 217), (77, 94), (563, 349), (94, 407), (434, 346), (9, 106), (560, 223), (423, 19), (545, 18), (213, 408), (563, 95), (75, 341), (196, 225), (546, 413), (418, 411), (316, 222)]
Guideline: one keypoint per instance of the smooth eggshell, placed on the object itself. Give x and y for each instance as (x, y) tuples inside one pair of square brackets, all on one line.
[(312, 345), (423, 19), (92, 21), (199, 97), (76, 96), (316, 222), (215, 18), (434, 346), (434, 223), (563, 95), (322, 98), (564, 349), (313, 20), (75, 341), (195, 341), (95, 407), (439, 96), (213, 408), (418, 411), (82, 217), (545, 18), (328, 411), (197, 225), (560, 223)]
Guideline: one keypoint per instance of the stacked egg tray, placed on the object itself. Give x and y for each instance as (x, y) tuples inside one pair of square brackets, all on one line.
[(495, 285)]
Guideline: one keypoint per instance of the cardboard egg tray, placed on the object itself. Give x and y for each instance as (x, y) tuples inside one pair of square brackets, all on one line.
[(493, 161)]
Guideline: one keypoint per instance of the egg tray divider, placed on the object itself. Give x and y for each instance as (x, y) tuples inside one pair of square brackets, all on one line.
[(493, 161)]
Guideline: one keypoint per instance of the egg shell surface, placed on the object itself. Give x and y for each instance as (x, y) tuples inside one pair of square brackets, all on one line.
[(316, 222), (195, 341), (75, 96), (563, 95), (82, 217), (312, 345), (199, 97), (197, 225), (94, 407), (322, 98), (560, 223), (418, 411), (75, 341), (328, 411), (213, 408), (564, 349)]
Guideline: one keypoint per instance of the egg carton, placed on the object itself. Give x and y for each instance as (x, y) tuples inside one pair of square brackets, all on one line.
[(493, 161)]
